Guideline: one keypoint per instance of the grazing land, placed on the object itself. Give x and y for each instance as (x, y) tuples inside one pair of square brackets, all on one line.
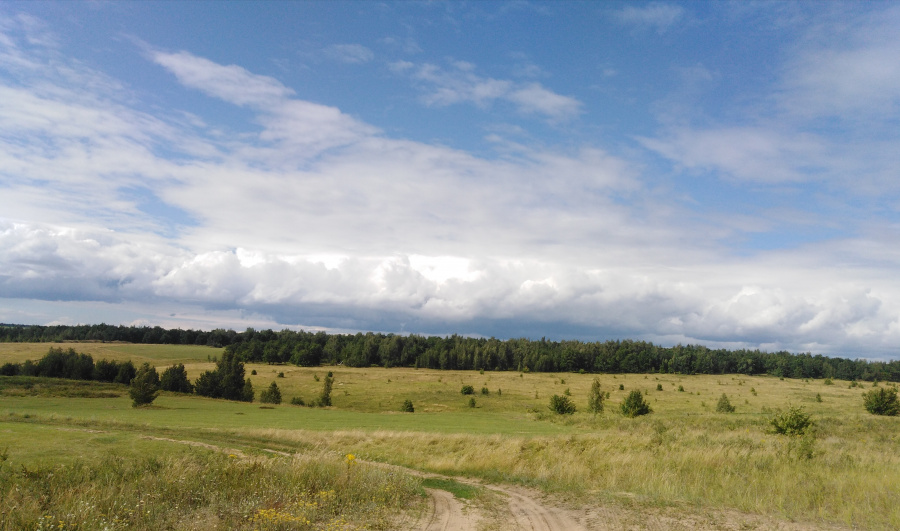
[(684, 465)]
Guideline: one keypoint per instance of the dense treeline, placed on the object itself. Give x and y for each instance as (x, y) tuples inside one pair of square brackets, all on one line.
[(225, 381), (458, 352)]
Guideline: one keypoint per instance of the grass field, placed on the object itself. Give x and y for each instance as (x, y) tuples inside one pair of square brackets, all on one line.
[(684, 454)]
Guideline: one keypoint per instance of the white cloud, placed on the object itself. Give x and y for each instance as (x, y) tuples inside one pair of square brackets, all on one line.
[(654, 15), (231, 83), (350, 53), (461, 84)]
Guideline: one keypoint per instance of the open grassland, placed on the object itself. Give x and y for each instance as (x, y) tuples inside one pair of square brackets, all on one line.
[(683, 455)]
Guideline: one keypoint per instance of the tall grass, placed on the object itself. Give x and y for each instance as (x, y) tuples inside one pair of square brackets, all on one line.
[(204, 490)]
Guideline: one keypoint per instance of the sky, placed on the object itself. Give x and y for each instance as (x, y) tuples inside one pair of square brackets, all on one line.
[(714, 173)]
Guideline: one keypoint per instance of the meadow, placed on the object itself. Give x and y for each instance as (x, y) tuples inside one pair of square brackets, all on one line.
[(684, 457)]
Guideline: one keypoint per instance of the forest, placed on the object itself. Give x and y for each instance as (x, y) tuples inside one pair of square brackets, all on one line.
[(457, 352)]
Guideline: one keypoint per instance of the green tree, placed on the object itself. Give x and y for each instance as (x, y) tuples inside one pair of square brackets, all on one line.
[(175, 379), (595, 398), (634, 405), (144, 386), (794, 421), (272, 395), (724, 405), (882, 401)]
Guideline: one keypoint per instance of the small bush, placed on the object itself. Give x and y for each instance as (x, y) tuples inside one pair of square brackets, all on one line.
[(753, 391), (467, 390), (408, 406), (272, 395), (297, 401), (595, 398), (472, 402), (561, 405), (253, 372), (828, 381), (882, 401), (818, 397), (680, 388), (484, 391), (724, 405), (634, 405), (792, 422), (659, 387), (621, 387), (280, 375)]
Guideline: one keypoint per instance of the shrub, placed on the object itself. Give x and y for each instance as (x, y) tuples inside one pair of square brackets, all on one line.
[(280, 375), (828, 381), (144, 386), (818, 397), (484, 391), (634, 405), (253, 372), (595, 398), (794, 421), (175, 379), (297, 401), (325, 397), (10, 369), (680, 388), (472, 402), (724, 405), (659, 387), (621, 387), (561, 405), (272, 395), (408, 406), (467, 390), (882, 401)]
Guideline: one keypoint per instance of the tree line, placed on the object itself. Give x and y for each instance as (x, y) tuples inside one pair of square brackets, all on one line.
[(468, 353)]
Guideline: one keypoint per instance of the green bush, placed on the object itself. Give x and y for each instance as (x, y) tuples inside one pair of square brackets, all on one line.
[(634, 405), (272, 395), (467, 390), (659, 387), (595, 398), (408, 406), (794, 421), (561, 405), (297, 401), (144, 386), (680, 388), (485, 391), (472, 402), (882, 401), (724, 405)]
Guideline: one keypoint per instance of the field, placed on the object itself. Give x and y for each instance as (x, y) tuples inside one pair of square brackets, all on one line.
[(682, 466)]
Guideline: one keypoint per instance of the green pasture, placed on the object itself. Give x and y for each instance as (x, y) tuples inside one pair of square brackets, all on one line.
[(844, 472)]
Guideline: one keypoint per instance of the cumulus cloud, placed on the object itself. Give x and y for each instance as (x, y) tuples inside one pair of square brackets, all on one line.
[(318, 217)]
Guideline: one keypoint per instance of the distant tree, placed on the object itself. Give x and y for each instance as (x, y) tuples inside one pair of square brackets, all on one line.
[(126, 373), (175, 379), (595, 398), (226, 380), (271, 395), (467, 390), (794, 421), (408, 406), (144, 386)]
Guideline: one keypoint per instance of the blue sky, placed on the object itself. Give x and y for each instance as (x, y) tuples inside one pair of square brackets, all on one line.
[(716, 173)]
